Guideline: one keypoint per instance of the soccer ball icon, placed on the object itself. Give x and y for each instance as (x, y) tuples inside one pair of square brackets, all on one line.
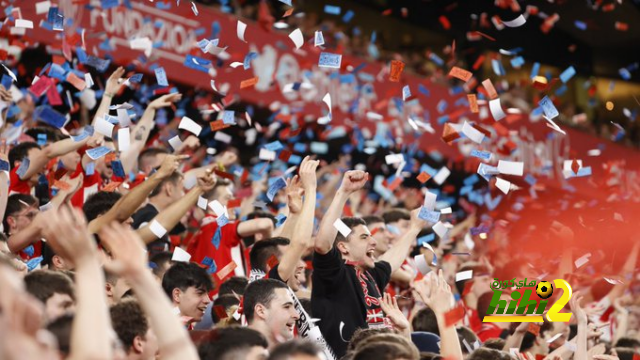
[(544, 289)]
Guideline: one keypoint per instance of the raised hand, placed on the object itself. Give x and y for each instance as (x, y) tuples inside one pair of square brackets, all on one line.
[(416, 222), (66, 232), (354, 180), (294, 193), (192, 142), (207, 181), (170, 164), (115, 82), (308, 172), (561, 231), (127, 250), (435, 292), (227, 158), (576, 309), (5, 95), (390, 307), (164, 101)]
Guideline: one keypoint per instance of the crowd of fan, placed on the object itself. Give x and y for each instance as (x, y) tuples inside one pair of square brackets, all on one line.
[(187, 260)]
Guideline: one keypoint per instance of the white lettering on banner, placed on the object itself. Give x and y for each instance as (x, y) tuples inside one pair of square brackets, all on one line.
[(122, 25)]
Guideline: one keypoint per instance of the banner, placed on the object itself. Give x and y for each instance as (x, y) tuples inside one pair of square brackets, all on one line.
[(361, 93)]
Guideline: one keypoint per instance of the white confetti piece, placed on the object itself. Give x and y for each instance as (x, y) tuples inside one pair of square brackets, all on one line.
[(496, 109), (440, 229), (342, 227), (42, 7), (464, 275), (519, 21), (446, 211), (429, 200), (123, 117), (175, 143), (394, 159), (503, 185), (143, 44), (235, 64), (267, 155), (582, 260), (190, 125), (157, 229), (222, 137), (25, 24), (202, 203), (217, 208), (472, 133), (442, 175), (511, 167), (554, 338), (296, 37), (421, 264), (241, 28), (104, 127), (124, 139), (180, 255)]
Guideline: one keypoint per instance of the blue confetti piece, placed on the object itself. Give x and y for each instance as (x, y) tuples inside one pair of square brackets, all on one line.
[(248, 58), (228, 117), (300, 147), (33, 263), (6, 81), (530, 179), (98, 152), (426, 239), (548, 108), (42, 139), (118, 170), (197, 63), (212, 269), (280, 219), (99, 64), (471, 179), (348, 16), (436, 59), (90, 168), (108, 4), (207, 261), (29, 250), (278, 184), (492, 203), (222, 220), (274, 146), (319, 147), (152, 265), (485, 155), (331, 9), (567, 74), (329, 60), (423, 89), (624, 73), (294, 160), (428, 215), (479, 230), (406, 92), (163, 5), (216, 238), (135, 78), (4, 165), (50, 116), (161, 77), (442, 106), (517, 62), (535, 69), (496, 65), (561, 90), (580, 25)]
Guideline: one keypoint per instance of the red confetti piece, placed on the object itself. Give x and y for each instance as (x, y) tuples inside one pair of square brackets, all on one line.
[(473, 102), (234, 203), (396, 69), (3, 54), (461, 74), (248, 82), (575, 166), (423, 177), (218, 125), (288, 13), (445, 22), (478, 62), (485, 36), (222, 274), (285, 155), (272, 262), (110, 187), (221, 313), (453, 316), (534, 329), (62, 185), (622, 26)]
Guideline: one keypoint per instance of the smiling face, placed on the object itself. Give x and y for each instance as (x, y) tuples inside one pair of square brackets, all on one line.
[(192, 302), (280, 315), (360, 247), (382, 235)]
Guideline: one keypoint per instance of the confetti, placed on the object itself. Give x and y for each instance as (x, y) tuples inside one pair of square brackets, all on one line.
[(179, 254), (25, 24), (329, 60), (396, 70), (503, 185), (296, 37), (464, 275), (342, 227), (496, 110), (519, 21), (510, 167), (190, 125), (161, 77), (318, 39), (461, 74), (548, 108), (240, 29), (249, 82)]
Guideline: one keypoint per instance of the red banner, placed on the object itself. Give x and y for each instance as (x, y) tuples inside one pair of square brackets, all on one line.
[(361, 93)]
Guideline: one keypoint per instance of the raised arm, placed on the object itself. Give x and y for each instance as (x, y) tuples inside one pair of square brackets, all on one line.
[(142, 130), (436, 293), (626, 272), (301, 238), (129, 203), (396, 255), (40, 158), (90, 333), (112, 87), (352, 181), (4, 178), (170, 216), (130, 263), (581, 336)]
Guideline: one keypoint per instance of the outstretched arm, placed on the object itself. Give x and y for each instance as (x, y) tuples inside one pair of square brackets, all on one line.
[(352, 181), (170, 216), (396, 255), (301, 238), (130, 262), (129, 203)]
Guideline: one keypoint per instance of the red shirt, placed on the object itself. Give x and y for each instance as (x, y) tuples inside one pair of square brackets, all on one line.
[(489, 331), (88, 181), (17, 185), (201, 245)]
